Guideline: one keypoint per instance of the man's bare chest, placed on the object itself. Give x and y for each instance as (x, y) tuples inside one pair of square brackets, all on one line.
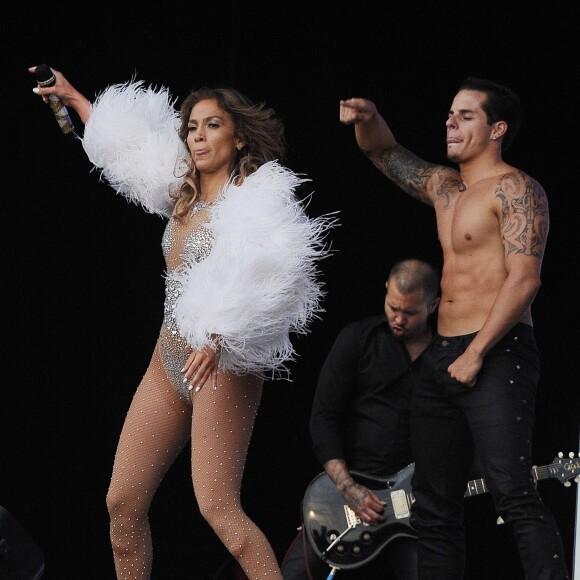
[(471, 221)]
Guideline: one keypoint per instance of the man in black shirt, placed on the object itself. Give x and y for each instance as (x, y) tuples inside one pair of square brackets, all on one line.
[(360, 413)]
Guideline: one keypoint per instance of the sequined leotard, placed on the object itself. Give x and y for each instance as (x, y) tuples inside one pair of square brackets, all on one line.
[(194, 239)]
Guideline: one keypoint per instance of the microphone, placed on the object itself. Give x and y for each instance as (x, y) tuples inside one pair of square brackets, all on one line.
[(45, 78)]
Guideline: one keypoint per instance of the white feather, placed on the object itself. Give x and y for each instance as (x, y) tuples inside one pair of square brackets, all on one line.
[(260, 281), (132, 136)]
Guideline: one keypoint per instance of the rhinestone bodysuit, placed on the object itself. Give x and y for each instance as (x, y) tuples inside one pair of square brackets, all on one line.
[(192, 238)]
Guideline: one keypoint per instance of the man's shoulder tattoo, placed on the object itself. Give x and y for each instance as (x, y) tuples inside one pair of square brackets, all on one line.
[(524, 214), (449, 184)]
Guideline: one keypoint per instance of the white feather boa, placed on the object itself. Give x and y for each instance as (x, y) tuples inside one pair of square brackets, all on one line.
[(260, 281)]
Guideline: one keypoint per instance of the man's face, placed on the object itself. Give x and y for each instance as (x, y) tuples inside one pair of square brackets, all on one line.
[(468, 132), (407, 313)]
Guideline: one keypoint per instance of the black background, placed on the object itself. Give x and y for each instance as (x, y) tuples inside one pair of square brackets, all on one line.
[(82, 281)]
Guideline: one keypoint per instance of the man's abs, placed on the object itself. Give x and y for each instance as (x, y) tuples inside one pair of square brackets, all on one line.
[(467, 296)]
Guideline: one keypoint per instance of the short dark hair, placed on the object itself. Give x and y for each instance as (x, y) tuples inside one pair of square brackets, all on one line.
[(501, 104), (412, 274)]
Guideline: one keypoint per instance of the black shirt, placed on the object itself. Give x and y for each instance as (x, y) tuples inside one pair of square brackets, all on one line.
[(361, 406)]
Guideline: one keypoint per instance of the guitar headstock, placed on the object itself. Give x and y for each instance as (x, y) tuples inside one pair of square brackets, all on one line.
[(563, 469)]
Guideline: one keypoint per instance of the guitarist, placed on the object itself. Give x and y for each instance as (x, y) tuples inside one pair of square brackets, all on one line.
[(360, 414)]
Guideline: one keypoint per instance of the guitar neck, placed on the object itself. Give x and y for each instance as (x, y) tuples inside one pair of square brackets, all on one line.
[(478, 486)]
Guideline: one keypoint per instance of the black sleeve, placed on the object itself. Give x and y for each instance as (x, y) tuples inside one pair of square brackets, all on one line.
[(333, 394)]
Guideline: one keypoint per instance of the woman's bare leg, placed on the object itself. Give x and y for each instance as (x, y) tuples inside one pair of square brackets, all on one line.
[(155, 431), (222, 424)]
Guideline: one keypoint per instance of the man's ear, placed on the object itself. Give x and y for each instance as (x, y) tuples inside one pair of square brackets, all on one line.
[(499, 130)]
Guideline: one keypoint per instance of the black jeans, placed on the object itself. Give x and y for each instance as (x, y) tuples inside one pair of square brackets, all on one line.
[(495, 417)]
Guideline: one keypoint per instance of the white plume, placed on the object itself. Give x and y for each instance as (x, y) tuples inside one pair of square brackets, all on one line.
[(132, 135), (259, 283)]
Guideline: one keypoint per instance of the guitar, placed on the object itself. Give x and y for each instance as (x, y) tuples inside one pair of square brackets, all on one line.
[(343, 541)]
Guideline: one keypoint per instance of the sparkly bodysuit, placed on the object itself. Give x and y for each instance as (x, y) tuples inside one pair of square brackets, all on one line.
[(191, 238)]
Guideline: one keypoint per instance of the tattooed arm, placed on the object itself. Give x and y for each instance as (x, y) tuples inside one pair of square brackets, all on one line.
[(420, 179), (361, 500)]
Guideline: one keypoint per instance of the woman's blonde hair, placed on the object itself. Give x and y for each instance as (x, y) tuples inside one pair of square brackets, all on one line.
[(255, 124)]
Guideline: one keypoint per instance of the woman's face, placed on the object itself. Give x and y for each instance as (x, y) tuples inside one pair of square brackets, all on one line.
[(212, 138)]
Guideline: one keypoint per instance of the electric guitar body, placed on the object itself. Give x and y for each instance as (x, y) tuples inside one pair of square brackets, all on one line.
[(343, 541), (338, 536)]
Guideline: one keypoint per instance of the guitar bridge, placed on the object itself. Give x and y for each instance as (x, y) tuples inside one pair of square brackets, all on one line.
[(400, 504), (351, 518)]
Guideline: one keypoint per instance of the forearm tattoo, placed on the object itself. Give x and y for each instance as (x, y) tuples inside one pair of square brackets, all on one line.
[(525, 218), (338, 472), (407, 171), (412, 174)]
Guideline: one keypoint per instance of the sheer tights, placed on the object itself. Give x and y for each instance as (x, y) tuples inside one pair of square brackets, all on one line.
[(156, 429)]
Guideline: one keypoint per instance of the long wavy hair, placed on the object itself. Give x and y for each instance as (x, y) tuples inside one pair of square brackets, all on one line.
[(254, 123)]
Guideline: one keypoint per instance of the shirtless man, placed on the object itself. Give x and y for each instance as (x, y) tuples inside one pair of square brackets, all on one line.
[(481, 371)]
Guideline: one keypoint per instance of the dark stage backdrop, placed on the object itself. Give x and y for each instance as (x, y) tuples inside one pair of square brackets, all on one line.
[(82, 269)]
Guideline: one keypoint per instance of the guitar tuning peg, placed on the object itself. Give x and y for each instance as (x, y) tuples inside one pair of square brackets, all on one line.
[(571, 455), (560, 454), (567, 484)]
